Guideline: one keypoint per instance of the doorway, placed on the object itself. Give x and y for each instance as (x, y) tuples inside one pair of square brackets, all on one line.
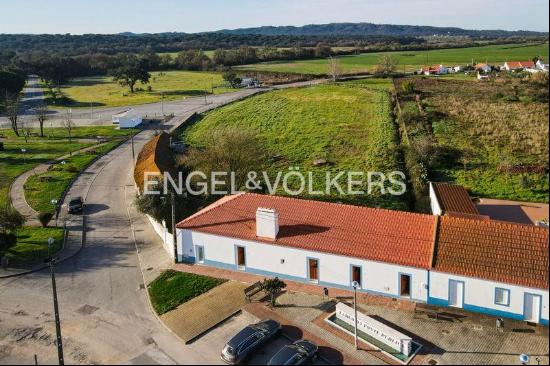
[(241, 257), (404, 285), (313, 269), (531, 308), (356, 275), (200, 254), (456, 294)]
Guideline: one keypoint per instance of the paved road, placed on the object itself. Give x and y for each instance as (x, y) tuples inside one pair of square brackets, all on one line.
[(33, 96)]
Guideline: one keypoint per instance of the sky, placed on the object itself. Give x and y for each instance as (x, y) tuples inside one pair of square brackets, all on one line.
[(155, 16)]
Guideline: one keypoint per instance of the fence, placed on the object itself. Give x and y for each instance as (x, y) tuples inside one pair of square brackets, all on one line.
[(164, 234)]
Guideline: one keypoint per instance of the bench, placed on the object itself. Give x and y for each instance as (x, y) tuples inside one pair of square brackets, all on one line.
[(252, 290)]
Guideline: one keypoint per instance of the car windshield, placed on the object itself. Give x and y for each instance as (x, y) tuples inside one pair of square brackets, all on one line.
[(75, 201)]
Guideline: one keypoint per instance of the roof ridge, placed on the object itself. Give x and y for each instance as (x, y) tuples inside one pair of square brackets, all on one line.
[(213, 205)]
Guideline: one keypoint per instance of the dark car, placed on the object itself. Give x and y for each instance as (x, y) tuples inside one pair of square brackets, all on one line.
[(248, 340), (76, 205), (298, 353)]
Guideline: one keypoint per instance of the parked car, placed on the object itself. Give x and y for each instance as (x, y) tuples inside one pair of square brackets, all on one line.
[(76, 205), (297, 353), (248, 340)]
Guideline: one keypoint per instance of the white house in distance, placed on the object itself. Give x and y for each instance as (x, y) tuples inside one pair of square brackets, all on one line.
[(434, 70), (518, 65), (458, 260), (542, 66), (128, 119)]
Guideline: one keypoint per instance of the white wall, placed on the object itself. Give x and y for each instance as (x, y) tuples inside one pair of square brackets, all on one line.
[(436, 208), (334, 270), (481, 293), (165, 236)]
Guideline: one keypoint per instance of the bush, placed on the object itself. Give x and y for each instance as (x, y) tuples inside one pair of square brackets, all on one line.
[(71, 169), (45, 218), (7, 240), (10, 219), (407, 88)]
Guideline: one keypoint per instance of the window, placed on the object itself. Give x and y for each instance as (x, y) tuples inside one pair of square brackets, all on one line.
[(200, 254), (241, 257), (356, 275), (313, 270), (405, 285), (502, 296)]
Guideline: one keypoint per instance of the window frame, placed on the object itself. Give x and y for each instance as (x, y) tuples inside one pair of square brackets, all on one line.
[(507, 292)]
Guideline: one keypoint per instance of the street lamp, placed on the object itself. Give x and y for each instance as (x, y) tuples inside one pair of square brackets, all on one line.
[(55, 203), (24, 151), (524, 359), (355, 286), (59, 339)]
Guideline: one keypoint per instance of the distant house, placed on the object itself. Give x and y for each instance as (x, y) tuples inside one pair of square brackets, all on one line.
[(434, 70), (483, 68), (458, 68), (518, 65), (481, 76), (250, 83), (127, 119), (541, 65)]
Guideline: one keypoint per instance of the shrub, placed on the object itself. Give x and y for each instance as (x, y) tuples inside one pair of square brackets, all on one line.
[(10, 219), (45, 218), (71, 169), (7, 240), (407, 88)]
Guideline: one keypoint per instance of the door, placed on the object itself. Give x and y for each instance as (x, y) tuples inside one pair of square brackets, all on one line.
[(313, 270), (531, 311), (200, 254), (456, 294), (405, 285), (356, 275), (241, 257)]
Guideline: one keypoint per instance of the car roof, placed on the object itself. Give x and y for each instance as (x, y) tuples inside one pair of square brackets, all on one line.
[(241, 336), (284, 354)]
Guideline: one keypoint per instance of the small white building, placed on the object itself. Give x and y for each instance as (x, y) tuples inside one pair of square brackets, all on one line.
[(483, 68), (518, 65), (458, 260), (128, 119), (542, 66)]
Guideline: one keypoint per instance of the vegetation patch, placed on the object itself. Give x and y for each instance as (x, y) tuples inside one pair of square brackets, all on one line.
[(32, 245), (173, 288), (347, 126)]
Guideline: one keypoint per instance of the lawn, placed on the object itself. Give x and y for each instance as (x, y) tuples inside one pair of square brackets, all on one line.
[(102, 91), (173, 288), (32, 245), (349, 125), (492, 137), (41, 189), (80, 132), (411, 60)]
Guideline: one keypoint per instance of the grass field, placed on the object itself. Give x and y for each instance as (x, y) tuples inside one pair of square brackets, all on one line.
[(41, 189), (492, 137), (411, 60), (102, 91), (349, 125), (32, 245), (173, 288)]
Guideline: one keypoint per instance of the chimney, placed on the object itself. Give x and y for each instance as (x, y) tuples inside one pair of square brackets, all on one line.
[(267, 223)]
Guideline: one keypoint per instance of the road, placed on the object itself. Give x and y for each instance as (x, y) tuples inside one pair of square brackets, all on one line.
[(33, 96)]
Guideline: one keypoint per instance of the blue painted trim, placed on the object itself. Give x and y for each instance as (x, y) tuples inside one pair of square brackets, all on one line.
[(187, 260), (483, 310), (507, 304), (540, 304), (351, 266), (399, 275), (231, 267), (449, 293), (318, 280)]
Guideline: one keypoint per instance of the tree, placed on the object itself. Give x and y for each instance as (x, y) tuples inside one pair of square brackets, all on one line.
[(386, 65), (12, 110), (335, 70), (27, 131), (132, 70), (45, 218), (41, 116), (228, 150), (10, 219), (232, 79), (68, 125), (272, 287)]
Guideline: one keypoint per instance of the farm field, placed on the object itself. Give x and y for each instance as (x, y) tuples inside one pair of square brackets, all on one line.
[(410, 60), (490, 137), (349, 125), (102, 91)]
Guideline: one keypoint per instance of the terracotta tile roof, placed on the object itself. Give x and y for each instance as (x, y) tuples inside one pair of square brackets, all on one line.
[(502, 252), (454, 198), (360, 232), (520, 64)]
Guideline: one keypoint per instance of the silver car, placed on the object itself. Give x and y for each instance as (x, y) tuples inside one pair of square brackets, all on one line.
[(248, 340)]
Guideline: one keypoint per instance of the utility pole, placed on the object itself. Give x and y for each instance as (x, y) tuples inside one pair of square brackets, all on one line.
[(355, 285), (59, 339), (174, 236), (133, 149)]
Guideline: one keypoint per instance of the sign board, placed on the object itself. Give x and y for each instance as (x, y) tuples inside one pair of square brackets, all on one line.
[(381, 332)]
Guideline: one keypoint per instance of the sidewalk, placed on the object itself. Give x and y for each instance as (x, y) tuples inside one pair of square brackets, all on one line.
[(73, 245)]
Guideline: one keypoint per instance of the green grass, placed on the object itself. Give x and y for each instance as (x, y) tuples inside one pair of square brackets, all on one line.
[(348, 124), (173, 288), (80, 132), (41, 189), (32, 245), (102, 91), (411, 60)]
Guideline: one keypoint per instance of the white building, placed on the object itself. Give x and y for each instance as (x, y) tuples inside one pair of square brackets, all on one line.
[(518, 65), (466, 262), (128, 119), (542, 66)]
